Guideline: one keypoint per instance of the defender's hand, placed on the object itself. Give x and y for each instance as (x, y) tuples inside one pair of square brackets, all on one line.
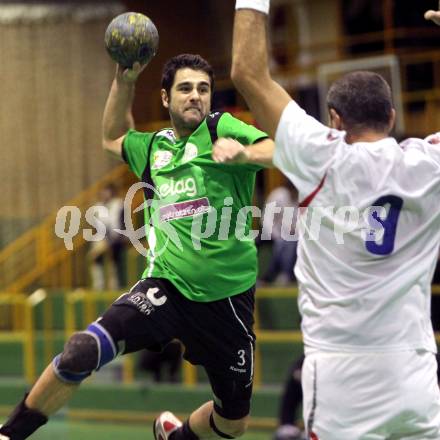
[(129, 76), (434, 16), (229, 151)]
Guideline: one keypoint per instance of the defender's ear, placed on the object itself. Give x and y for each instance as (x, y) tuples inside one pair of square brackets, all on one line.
[(335, 119), (392, 119)]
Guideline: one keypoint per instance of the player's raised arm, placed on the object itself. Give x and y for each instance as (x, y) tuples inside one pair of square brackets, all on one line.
[(118, 118), (435, 17), (132, 40), (250, 70)]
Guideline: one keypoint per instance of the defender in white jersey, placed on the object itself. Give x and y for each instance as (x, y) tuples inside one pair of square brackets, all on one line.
[(366, 261)]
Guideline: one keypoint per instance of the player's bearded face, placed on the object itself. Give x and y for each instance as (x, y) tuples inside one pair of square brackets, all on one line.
[(189, 101)]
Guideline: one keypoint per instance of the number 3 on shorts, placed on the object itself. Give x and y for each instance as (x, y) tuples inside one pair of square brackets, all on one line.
[(242, 361)]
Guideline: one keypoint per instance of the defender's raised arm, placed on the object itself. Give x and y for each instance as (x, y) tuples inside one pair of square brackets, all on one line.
[(250, 70)]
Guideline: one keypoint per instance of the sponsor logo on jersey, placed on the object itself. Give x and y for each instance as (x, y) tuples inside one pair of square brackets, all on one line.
[(178, 187), (169, 134), (189, 208), (190, 152), (161, 158)]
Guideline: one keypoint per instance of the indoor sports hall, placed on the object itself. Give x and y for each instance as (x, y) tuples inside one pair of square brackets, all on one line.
[(60, 268)]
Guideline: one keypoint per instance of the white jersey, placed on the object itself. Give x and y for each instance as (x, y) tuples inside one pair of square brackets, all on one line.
[(364, 273)]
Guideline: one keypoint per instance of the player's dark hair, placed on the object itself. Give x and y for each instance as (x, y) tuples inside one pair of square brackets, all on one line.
[(363, 101), (182, 61)]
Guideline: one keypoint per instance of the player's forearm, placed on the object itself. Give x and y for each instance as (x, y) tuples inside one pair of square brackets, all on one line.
[(227, 150), (117, 118), (250, 70), (261, 153)]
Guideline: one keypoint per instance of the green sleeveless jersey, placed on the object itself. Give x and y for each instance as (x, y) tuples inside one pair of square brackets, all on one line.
[(197, 212)]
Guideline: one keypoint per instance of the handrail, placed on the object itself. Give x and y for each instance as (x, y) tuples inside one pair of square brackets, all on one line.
[(26, 336), (77, 200), (29, 326), (292, 291), (42, 249), (89, 299)]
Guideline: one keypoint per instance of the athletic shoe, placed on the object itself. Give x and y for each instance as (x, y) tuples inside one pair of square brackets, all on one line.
[(165, 425)]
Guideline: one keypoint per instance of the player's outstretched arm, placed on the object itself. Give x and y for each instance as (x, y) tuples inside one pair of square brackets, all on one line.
[(228, 150), (434, 16), (117, 118), (250, 70)]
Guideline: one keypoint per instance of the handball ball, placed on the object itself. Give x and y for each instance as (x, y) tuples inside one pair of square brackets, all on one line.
[(131, 37)]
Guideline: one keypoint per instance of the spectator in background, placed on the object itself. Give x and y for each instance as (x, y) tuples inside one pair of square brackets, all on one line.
[(291, 401), (112, 245), (282, 203)]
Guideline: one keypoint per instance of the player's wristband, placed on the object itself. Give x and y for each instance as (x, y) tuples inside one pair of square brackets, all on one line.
[(258, 5)]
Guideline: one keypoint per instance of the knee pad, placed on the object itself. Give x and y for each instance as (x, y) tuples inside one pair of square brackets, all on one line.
[(84, 353)]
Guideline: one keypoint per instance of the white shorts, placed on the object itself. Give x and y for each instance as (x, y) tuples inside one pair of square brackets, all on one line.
[(352, 396)]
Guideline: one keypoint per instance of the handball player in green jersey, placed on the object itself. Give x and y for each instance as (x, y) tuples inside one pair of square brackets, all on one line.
[(199, 281)]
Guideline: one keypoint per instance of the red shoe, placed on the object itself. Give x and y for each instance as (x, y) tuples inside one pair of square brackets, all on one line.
[(165, 425)]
